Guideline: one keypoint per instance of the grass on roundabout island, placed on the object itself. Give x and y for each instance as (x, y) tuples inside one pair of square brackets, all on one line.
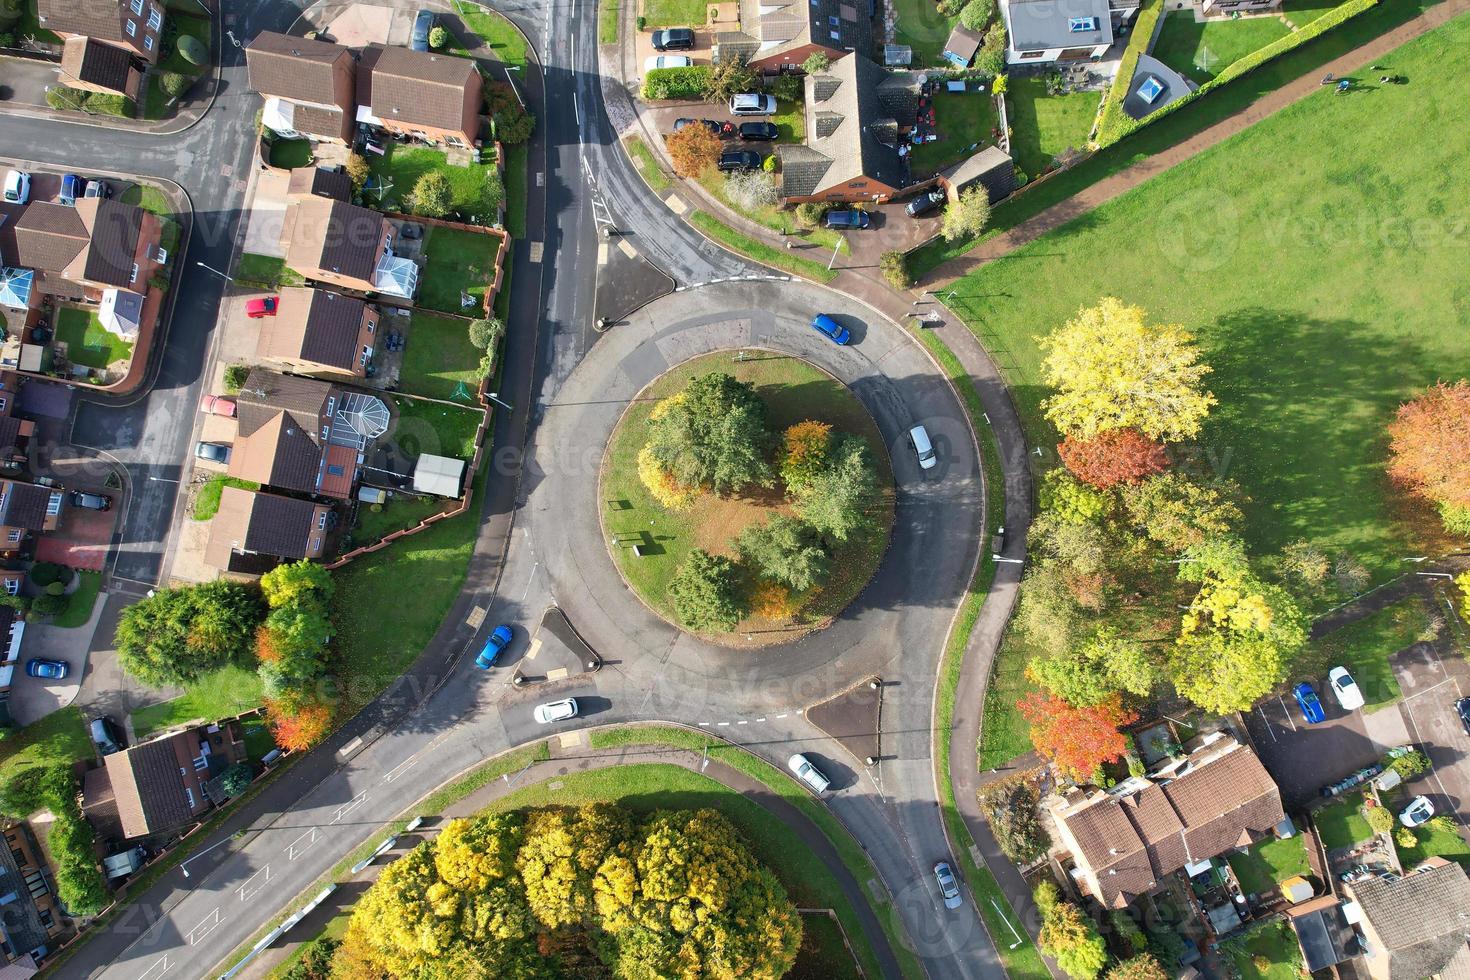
[(793, 390)]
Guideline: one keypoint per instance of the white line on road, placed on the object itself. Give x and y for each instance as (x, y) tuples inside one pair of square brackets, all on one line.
[(704, 724), (291, 850), (210, 923), (400, 769), (349, 806), (724, 724), (1285, 713), (742, 723), (781, 716), (760, 719), (245, 895), (163, 962), (1271, 731), (529, 579), (1420, 694), (1433, 769)]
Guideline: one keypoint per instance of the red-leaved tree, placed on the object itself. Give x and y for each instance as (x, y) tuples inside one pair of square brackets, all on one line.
[(298, 722), (1430, 444), (1077, 739), (1112, 457)]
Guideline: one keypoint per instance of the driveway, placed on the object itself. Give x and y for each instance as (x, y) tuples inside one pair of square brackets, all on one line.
[(1432, 680), (32, 698), (28, 79), (84, 537), (267, 213)]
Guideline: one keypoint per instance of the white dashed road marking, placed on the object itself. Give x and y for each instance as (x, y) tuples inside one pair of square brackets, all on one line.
[(301, 845), (349, 806), (210, 923), (250, 887)]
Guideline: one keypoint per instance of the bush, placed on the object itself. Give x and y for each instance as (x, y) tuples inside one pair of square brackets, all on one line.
[(438, 37), (235, 376), (49, 604), (810, 214), (1011, 807), (514, 125), (430, 195), (191, 49), (769, 163), (751, 191), (56, 588), (729, 77), (977, 14), (788, 87), (358, 170), (174, 84), (44, 573), (236, 779), (677, 83), (950, 8), (484, 333), (1380, 820), (895, 266), (991, 59), (816, 63), (79, 884), (706, 593), (1404, 837), (1410, 764), (315, 961)]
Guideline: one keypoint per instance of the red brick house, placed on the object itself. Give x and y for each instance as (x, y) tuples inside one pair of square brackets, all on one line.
[(316, 331), (136, 26), (432, 97), (158, 786), (309, 86), (253, 530)]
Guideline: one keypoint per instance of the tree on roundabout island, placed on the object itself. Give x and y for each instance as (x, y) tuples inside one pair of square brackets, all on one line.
[(713, 439)]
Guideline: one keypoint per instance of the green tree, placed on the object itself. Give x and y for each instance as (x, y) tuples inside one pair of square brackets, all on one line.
[(807, 446), (438, 37), (358, 170), (785, 550), (299, 635), (706, 593), (296, 582), (977, 14), (731, 77), (1091, 672), (713, 434), (236, 779), (840, 500), (1141, 967), (968, 216), (1412, 763), (430, 195), (1380, 819), (1070, 937), (176, 636), (991, 59), (895, 268), (1177, 513), (484, 333), (816, 63), (1010, 806)]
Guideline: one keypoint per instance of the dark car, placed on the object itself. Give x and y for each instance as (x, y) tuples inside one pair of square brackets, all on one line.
[(1311, 705), (107, 736), (215, 452), (1462, 708), (765, 131), (495, 645), (831, 329), (422, 25), (713, 125), (90, 501), (848, 219), (924, 203), (740, 160), (51, 670), (673, 39)]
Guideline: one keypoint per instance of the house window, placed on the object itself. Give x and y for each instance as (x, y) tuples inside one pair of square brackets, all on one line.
[(367, 352), (335, 470), (331, 404), (132, 28), (200, 763), (316, 544), (35, 883), (326, 431), (2, 403), (371, 327), (321, 521), (1032, 54), (833, 22), (136, 6), (19, 856), (155, 19), (14, 534), (190, 794), (1080, 25), (148, 43), (12, 586), (162, 256), (133, 275), (45, 915)]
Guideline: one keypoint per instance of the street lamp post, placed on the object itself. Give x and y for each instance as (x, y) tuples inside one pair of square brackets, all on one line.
[(494, 396), (833, 260), (215, 271), (185, 866)]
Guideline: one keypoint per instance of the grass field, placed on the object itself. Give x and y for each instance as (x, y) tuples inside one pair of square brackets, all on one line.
[(267, 271), (149, 198), (922, 27), (1434, 842), (428, 427), (515, 190), (822, 955), (607, 21), (60, 738), (673, 13), (1043, 126), (773, 217), (1357, 308), (87, 342), (221, 694), (1364, 648), (1342, 824), (793, 390), (1005, 733), (206, 501), (457, 260), (439, 357), (964, 122), (504, 40), (474, 189), (1202, 51), (1265, 865), (400, 512), (291, 154), (1303, 12)]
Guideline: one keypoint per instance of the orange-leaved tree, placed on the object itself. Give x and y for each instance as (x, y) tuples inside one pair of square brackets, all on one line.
[(1077, 739), (298, 721), (1112, 457), (694, 149), (806, 451), (1429, 447)]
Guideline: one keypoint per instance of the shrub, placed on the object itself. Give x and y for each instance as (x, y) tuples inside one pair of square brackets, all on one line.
[(769, 163), (788, 87), (44, 573), (514, 125), (438, 37), (236, 779), (706, 593), (235, 376), (1410, 764), (358, 170), (1380, 820), (56, 588), (967, 217), (772, 600), (751, 191), (950, 8), (977, 14), (895, 266), (1010, 806), (191, 49), (677, 83), (50, 604), (991, 59), (1404, 837), (484, 333), (1456, 519), (430, 195), (661, 483), (810, 214), (729, 77), (174, 84), (816, 63)]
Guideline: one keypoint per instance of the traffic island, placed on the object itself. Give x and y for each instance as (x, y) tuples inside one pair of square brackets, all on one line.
[(556, 652), (852, 718)]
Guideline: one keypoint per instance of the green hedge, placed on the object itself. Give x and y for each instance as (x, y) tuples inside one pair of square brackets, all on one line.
[(1120, 125), (678, 83), (79, 884), (1113, 117)]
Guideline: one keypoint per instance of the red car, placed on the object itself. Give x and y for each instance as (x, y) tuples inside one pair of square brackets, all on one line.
[(261, 306), (218, 405)]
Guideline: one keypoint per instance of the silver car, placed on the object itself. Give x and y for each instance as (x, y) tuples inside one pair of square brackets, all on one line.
[(949, 886), (808, 773)]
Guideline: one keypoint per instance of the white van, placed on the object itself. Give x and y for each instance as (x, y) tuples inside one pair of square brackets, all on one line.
[(923, 448), (808, 773)]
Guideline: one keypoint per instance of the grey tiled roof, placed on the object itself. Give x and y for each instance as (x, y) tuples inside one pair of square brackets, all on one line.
[(850, 113), (1039, 24), (1423, 918)]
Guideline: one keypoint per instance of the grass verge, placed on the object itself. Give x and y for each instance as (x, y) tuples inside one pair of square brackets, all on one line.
[(80, 602), (206, 501), (222, 693), (722, 233), (608, 21), (648, 165)]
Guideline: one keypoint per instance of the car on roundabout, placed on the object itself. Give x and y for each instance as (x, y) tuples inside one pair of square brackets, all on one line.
[(809, 774), (555, 711), (831, 329), (949, 886), (495, 645)]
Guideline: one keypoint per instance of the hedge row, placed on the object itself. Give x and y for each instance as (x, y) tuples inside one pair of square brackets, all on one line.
[(1111, 125), (678, 83), (79, 884), (1120, 125)]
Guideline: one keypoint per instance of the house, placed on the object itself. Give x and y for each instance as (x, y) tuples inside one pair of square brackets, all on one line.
[(316, 331), (82, 252), (1045, 32), (855, 112), (15, 433), (135, 26), (26, 508), (158, 786), (433, 97), (309, 86), (302, 434), (320, 182), (1323, 932), (87, 63), (779, 35), (344, 245), (31, 917), (252, 529), (1413, 926), (1126, 840)]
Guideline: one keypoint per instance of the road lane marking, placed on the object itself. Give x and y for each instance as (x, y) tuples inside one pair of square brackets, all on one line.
[(164, 962), (1447, 680), (704, 724), (210, 923), (349, 806), (1269, 730), (781, 716), (246, 896), (291, 849), (724, 724), (400, 769)]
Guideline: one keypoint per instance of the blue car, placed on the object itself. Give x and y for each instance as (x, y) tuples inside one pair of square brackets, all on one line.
[(499, 639), (423, 23), (51, 670), (831, 329), (71, 189), (1311, 705)]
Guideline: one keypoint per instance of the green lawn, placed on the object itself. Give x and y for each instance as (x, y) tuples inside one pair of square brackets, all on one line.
[(1342, 825), (439, 359), (1303, 12), (648, 165), (1043, 126), (1272, 945), (291, 154), (27, 25), (1264, 866), (792, 390), (1202, 51), (80, 602), (965, 122), (206, 501), (59, 738), (475, 190), (1005, 734), (922, 27), (790, 120), (87, 342), (516, 192), (608, 21), (504, 39), (822, 955), (401, 511), (191, 24), (429, 427), (1433, 841), (223, 693), (267, 271), (765, 254), (457, 260), (1364, 648), (674, 13), (258, 739), (149, 198), (1358, 307)]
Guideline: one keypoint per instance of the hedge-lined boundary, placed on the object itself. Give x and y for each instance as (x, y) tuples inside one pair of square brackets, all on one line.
[(1118, 124), (678, 83), (1113, 119)]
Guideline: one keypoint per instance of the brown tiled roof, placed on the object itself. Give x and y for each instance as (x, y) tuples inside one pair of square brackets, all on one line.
[(339, 470), (99, 805), (334, 236), (320, 181), (265, 523), (49, 236), (316, 120), (96, 18), (10, 434), (314, 325), (95, 240), (279, 435), (294, 68), (266, 394), (415, 87), (1423, 918), (96, 63), (147, 787), (24, 505), (115, 228)]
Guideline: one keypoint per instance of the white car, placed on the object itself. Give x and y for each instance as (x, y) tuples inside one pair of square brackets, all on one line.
[(17, 187), (753, 104), (554, 711), (668, 61), (1345, 689), (922, 447), (808, 773), (1417, 812)]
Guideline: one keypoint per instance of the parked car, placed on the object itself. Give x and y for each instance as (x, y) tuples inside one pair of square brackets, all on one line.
[(713, 125), (261, 306), (1311, 705), (555, 711), (53, 670), (949, 886), (218, 405), (495, 645), (753, 104), (923, 448), (17, 187), (90, 501), (423, 23), (673, 39), (71, 189), (739, 160), (808, 773), (762, 131), (655, 62), (214, 452), (1345, 689), (107, 736), (848, 219), (97, 188), (1462, 708), (924, 203), (831, 329), (1417, 812)]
